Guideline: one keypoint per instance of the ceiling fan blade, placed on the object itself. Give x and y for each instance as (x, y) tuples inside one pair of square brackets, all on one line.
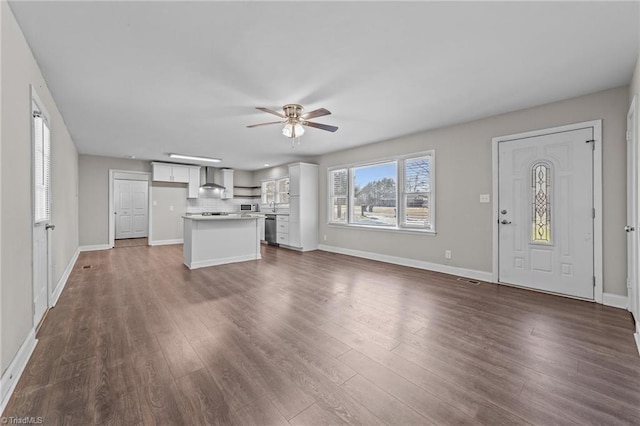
[(270, 111), (315, 113), (265, 124), (319, 126)]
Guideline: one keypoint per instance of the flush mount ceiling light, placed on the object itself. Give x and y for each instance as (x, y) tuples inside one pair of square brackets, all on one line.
[(195, 158), (294, 119)]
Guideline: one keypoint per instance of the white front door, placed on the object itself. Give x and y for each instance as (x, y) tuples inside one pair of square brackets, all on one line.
[(131, 208), (545, 190), (632, 211)]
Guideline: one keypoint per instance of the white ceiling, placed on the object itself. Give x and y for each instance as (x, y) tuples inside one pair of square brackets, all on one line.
[(149, 78)]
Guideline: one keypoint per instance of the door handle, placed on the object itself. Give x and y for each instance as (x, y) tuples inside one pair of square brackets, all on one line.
[(629, 228), (49, 226), (505, 222)]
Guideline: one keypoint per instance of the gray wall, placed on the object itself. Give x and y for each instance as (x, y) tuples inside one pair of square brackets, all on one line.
[(167, 223), (19, 70), (94, 194), (464, 171)]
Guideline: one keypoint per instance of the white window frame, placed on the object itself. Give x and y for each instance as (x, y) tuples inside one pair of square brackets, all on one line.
[(400, 192), (37, 108), (276, 193)]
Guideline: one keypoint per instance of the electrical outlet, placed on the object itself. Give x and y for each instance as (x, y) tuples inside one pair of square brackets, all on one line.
[(485, 198), (325, 237), (170, 208), (447, 254)]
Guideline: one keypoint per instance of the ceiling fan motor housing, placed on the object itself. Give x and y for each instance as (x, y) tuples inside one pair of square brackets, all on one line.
[(292, 110)]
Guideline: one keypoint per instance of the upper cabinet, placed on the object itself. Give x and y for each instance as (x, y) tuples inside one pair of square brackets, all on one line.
[(194, 182), (294, 180), (167, 172), (178, 173), (227, 182)]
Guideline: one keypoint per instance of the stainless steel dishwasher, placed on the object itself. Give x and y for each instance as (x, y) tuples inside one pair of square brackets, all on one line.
[(270, 229)]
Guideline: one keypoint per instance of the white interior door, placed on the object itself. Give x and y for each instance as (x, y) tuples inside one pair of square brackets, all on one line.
[(140, 208), (632, 211), (545, 190), (41, 184), (131, 208)]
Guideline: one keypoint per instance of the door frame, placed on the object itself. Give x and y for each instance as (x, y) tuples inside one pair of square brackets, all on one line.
[(131, 175), (596, 125), (43, 110), (633, 200)]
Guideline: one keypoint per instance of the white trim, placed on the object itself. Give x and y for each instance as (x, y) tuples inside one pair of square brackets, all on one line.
[(413, 263), (94, 247), (235, 259), (112, 225), (166, 242), (62, 282), (597, 196), (16, 368), (637, 337), (615, 300)]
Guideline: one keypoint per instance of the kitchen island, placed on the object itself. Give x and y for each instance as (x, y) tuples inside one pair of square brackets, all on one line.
[(216, 240)]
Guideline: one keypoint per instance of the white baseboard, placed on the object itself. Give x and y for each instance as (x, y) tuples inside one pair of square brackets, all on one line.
[(615, 300), (95, 247), (166, 242), (436, 267), (16, 368), (206, 263), (62, 282), (637, 336)]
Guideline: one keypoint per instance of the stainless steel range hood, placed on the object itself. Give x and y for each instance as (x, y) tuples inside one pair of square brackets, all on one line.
[(209, 173)]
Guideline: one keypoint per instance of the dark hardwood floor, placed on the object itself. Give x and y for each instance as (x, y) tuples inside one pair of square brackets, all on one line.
[(320, 338)]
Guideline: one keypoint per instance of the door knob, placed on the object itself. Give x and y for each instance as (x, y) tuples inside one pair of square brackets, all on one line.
[(49, 226), (629, 228), (505, 222)]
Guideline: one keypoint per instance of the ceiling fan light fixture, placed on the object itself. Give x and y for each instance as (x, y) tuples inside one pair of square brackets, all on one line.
[(293, 130)]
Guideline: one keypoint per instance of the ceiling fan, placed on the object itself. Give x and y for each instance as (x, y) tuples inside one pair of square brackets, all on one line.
[(294, 119)]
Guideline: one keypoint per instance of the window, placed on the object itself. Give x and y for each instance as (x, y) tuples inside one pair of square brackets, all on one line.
[(338, 191), (268, 191), (392, 194), (374, 196), (416, 197), (275, 190), (41, 166), (282, 191), (541, 202)]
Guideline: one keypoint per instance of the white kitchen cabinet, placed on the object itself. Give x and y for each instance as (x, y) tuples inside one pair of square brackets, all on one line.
[(227, 182), (302, 230), (294, 180), (194, 182), (282, 229), (167, 172)]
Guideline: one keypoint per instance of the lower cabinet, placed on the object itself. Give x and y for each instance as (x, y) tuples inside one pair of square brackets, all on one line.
[(282, 229)]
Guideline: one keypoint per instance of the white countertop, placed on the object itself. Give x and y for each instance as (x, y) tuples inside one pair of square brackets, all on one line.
[(224, 217)]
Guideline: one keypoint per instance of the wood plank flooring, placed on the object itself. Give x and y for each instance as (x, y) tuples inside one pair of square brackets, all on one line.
[(319, 338)]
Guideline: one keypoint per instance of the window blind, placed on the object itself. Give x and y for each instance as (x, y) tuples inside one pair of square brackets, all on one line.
[(42, 169)]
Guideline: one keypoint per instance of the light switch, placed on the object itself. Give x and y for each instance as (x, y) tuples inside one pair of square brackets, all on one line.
[(485, 198), (155, 203), (171, 208)]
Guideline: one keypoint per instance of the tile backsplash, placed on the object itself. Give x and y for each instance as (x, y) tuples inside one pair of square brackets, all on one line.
[(209, 201)]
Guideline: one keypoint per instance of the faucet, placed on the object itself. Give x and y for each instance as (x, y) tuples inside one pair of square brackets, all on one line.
[(273, 204)]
